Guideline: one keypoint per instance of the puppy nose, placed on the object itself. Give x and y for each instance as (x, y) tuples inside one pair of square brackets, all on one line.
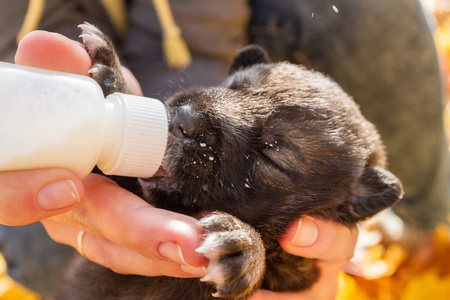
[(185, 123)]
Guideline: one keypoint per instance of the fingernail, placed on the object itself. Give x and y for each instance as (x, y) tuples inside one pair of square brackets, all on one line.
[(57, 195), (306, 234), (193, 270), (172, 251)]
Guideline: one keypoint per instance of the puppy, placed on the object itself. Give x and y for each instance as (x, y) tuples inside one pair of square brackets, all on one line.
[(273, 143)]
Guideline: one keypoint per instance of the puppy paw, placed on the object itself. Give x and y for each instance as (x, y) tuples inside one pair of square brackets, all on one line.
[(106, 68), (236, 256)]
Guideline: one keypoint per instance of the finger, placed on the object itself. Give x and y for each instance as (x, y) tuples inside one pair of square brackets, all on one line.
[(125, 219), (117, 258), (53, 51), (314, 238), (324, 289), (269, 295), (30, 196)]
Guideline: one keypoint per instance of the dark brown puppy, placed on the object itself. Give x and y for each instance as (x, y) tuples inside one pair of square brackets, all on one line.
[(273, 143)]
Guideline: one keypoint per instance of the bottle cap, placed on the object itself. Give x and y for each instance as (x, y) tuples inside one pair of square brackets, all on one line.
[(145, 131)]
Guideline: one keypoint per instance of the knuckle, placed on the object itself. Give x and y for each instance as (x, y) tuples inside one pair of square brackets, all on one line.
[(119, 270), (105, 258), (338, 237), (135, 237), (349, 255), (55, 237), (54, 233)]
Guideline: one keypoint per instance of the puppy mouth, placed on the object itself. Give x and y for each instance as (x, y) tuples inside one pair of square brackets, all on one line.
[(162, 187), (159, 181), (161, 172)]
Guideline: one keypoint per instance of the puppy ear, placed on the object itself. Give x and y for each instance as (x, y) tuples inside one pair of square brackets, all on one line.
[(377, 189), (248, 56)]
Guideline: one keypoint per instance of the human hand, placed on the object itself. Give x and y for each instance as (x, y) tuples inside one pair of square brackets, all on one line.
[(30, 196), (123, 232), (332, 244), (127, 235)]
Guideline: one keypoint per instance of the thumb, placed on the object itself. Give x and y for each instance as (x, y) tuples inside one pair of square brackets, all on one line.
[(52, 51), (30, 196), (320, 239)]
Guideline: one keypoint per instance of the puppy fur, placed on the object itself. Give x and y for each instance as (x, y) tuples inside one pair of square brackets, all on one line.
[(273, 143)]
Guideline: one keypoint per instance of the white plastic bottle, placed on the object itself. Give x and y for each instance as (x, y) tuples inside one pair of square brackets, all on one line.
[(53, 119)]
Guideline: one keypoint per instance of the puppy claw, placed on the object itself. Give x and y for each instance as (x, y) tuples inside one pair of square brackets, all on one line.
[(214, 273), (217, 294), (86, 26), (90, 38), (82, 26), (94, 70), (93, 43), (236, 256), (106, 68)]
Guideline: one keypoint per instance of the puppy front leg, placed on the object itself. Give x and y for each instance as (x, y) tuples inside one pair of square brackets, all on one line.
[(106, 68), (236, 256)]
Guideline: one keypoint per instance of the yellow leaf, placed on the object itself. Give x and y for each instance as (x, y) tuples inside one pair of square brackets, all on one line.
[(349, 290), (427, 286)]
